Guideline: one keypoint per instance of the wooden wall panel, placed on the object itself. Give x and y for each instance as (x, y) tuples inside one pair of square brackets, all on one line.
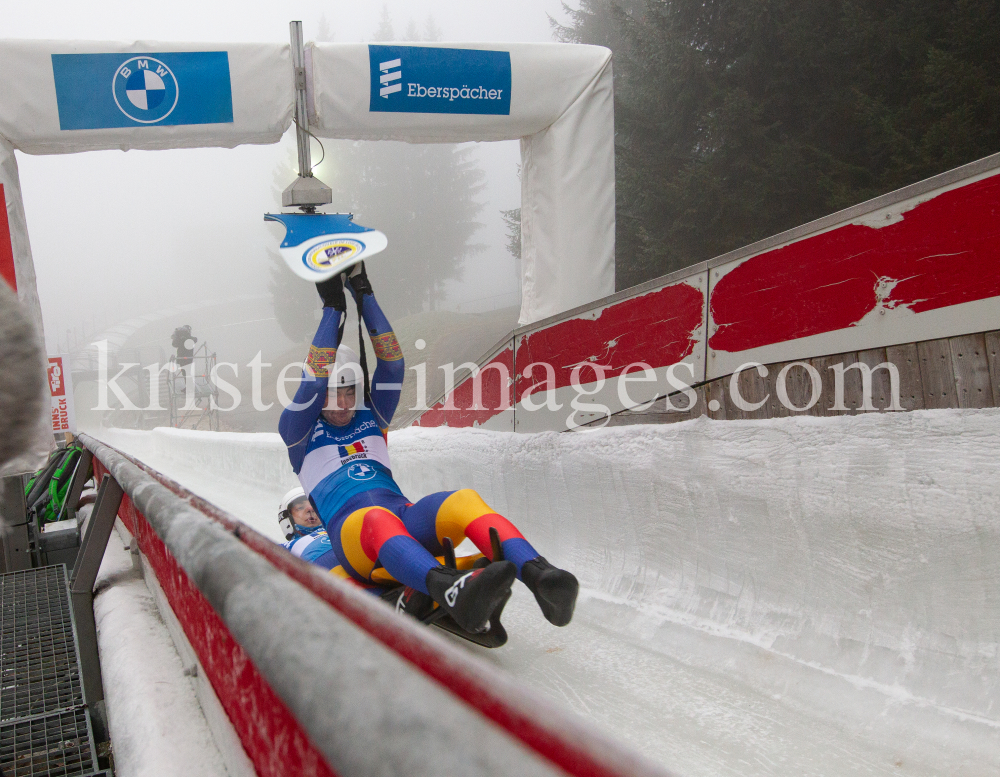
[(961, 371), (972, 371)]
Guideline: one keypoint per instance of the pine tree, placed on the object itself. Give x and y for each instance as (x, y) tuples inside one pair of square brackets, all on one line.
[(431, 31), (324, 32), (424, 197), (384, 32)]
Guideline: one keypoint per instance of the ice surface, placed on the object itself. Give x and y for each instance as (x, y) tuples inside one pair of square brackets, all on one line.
[(802, 596)]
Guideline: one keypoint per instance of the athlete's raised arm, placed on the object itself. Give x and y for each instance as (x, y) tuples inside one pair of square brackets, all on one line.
[(387, 382), (297, 420)]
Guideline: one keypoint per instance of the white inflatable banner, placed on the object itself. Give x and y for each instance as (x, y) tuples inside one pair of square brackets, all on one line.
[(16, 232), (557, 99), (66, 96), (19, 272)]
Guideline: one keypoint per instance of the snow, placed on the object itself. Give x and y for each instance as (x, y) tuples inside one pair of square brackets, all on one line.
[(798, 596), (157, 725)]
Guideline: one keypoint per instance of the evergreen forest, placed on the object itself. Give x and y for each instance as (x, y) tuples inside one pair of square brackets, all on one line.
[(739, 119)]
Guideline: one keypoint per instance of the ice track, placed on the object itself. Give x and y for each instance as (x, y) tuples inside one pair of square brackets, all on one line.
[(803, 596)]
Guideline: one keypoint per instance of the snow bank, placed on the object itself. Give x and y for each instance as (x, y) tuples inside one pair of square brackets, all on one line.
[(157, 725), (246, 474)]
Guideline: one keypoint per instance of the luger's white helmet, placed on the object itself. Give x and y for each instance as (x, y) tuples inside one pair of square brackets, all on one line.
[(347, 369), (290, 497), (284, 517)]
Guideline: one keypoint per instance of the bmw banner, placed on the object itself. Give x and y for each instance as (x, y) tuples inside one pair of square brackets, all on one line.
[(99, 91), (62, 97)]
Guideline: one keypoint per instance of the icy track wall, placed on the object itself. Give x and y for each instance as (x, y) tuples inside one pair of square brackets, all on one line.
[(865, 548), (303, 664)]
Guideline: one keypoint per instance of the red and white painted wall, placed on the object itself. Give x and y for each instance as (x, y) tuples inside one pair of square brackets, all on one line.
[(918, 264)]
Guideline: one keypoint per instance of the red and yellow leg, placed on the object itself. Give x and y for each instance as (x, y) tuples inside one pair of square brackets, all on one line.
[(465, 514)]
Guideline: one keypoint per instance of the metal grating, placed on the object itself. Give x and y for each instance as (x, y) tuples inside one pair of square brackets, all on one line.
[(44, 725), (39, 669), (57, 745)]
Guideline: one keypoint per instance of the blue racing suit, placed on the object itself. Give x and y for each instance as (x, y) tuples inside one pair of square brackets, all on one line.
[(346, 472), (313, 547)]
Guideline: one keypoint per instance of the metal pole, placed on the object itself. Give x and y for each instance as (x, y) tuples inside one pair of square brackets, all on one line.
[(301, 116), (84, 575), (14, 510), (81, 475), (95, 541), (306, 191)]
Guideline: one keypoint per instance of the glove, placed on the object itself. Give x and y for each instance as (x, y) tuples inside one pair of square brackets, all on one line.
[(358, 279), (331, 291)]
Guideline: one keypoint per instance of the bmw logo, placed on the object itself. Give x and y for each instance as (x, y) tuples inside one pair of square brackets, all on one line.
[(359, 471), (145, 90)]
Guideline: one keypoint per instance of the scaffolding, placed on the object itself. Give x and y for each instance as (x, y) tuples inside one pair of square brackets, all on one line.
[(192, 393)]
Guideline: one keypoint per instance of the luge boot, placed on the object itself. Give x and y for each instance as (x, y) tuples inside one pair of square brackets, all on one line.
[(555, 589), (413, 602), (471, 597)]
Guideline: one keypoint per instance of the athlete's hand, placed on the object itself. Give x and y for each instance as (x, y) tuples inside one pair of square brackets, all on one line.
[(358, 280), (331, 291)]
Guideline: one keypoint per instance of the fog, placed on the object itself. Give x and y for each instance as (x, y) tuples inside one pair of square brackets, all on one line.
[(128, 246)]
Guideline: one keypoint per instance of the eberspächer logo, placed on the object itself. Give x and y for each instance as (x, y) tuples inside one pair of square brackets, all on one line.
[(145, 90), (433, 79), (388, 76)]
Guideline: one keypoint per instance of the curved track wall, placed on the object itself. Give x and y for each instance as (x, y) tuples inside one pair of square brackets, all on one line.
[(864, 548), (318, 677)]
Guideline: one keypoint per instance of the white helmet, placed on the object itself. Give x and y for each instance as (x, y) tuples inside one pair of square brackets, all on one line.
[(290, 497), (284, 517), (347, 369)]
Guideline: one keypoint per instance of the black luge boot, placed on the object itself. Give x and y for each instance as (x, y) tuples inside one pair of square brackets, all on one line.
[(410, 601), (555, 589), (471, 597)]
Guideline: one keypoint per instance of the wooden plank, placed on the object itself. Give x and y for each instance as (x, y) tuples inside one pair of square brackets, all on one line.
[(937, 374), (716, 393), (696, 409), (853, 394), (753, 389), (657, 412), (972, 371), (774, 407), (852, 385), (911, 387), (993, 359), (961, 371), (881, 385), (798, 387)]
